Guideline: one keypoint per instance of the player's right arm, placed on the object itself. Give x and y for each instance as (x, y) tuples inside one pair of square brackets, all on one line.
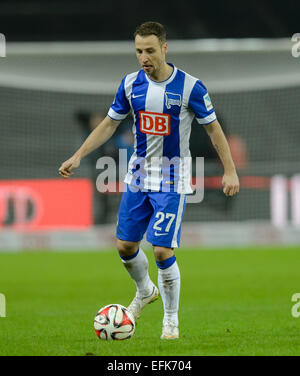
[(97, 137), (103, 132)]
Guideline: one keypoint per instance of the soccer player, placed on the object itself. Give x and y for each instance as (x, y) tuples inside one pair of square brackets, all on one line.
[(163, 101)]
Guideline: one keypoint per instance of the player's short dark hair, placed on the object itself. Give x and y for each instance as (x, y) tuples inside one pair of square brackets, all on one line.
[(151, 28)]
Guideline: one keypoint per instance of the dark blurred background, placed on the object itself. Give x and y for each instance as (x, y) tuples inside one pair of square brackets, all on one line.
[(67, 20), (52, 95)]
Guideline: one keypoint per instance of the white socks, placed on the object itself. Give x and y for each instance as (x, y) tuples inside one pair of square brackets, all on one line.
[(137, 267), (168, 281), (169, 287)]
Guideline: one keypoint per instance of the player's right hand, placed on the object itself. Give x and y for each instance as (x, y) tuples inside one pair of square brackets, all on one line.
[(68, 166)]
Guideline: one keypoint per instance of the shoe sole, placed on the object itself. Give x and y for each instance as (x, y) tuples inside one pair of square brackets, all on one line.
[(169, 337)]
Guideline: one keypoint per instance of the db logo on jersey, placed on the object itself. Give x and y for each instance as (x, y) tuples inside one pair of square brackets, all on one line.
[(155, 123)]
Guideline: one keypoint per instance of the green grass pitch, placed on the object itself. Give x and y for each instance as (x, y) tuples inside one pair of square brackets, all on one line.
[(233, 302)]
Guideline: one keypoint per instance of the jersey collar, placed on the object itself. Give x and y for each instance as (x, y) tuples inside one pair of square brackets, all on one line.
[(165, 82)]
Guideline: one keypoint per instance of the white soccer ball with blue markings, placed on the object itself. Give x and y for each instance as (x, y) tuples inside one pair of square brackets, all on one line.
[(114, 322)]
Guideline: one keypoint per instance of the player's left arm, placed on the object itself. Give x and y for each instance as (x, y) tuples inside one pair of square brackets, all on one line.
[(230, 180)]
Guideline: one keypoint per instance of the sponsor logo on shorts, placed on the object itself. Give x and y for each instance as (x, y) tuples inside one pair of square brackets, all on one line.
[(157, 234), (155, 123)]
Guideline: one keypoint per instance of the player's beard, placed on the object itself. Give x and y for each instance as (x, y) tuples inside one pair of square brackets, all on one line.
[(153, 71), (149, 71)]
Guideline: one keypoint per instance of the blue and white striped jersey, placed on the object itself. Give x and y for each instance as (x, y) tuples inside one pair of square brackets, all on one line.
[(163, 113)]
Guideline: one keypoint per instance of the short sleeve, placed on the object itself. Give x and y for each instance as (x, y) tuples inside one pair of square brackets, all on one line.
[(200, 103), (120, 107)]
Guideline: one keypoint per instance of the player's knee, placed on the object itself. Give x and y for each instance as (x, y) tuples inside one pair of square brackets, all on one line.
[(127, 248), (162, 253)]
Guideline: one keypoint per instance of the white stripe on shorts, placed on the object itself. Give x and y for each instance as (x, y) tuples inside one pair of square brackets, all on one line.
[(174, 243)]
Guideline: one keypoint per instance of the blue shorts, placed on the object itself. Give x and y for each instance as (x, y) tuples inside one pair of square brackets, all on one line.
[(158, 213)]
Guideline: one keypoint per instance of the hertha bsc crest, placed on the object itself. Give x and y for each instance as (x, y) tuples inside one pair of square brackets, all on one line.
[(173, 100)]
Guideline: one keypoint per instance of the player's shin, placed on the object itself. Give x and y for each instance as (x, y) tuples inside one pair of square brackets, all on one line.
[(169, 287), (137, 267)]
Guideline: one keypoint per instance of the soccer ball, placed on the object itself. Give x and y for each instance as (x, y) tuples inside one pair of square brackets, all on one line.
[(114, 321)]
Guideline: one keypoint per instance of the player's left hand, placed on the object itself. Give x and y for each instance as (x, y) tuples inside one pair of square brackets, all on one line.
[(231, 184)]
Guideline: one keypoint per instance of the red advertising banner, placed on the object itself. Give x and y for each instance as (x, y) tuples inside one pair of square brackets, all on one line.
[(45, 204)]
